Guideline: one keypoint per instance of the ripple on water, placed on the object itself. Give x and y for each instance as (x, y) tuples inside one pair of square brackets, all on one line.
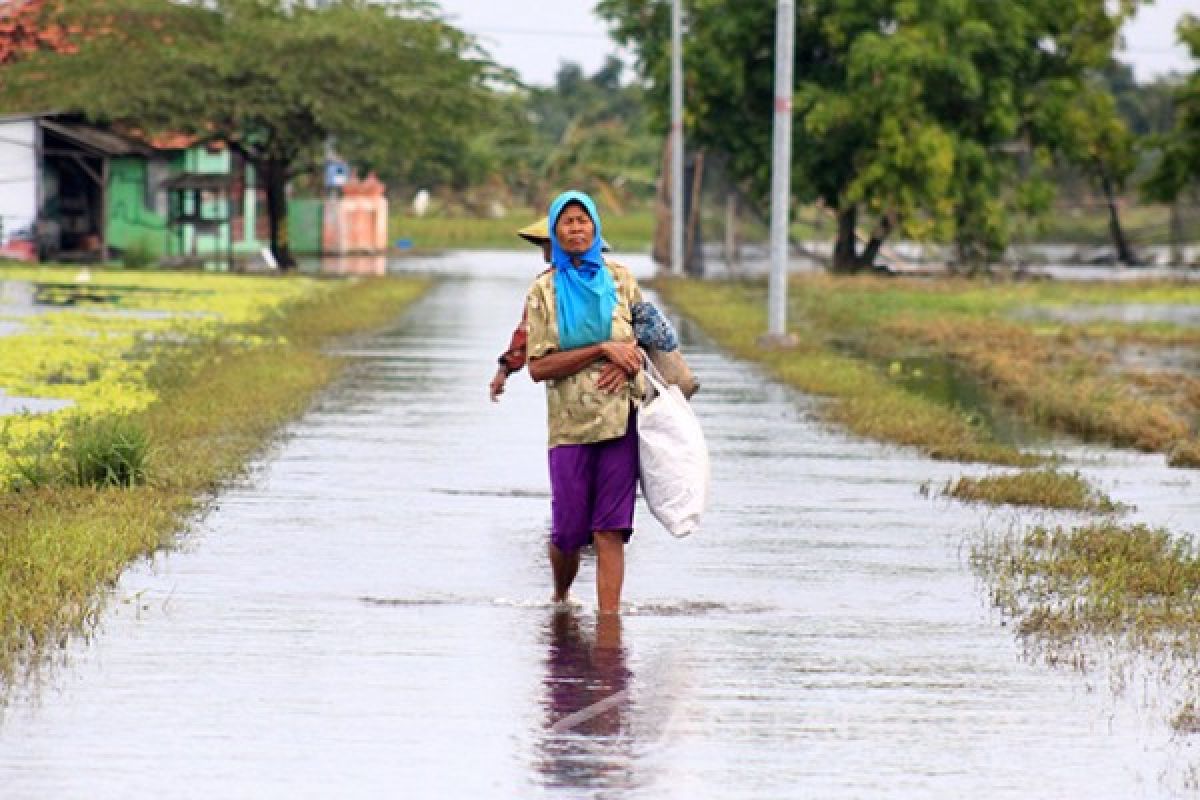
[(664, 608)]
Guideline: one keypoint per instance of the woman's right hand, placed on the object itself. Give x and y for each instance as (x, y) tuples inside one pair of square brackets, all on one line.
[(496, 387), (625, 355)]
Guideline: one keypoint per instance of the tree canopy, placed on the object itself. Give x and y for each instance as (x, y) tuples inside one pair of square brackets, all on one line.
[(273, 79), (1179, 161), (584, 131), (937, 117)]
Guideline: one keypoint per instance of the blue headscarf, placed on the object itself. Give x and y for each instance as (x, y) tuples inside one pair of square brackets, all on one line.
[(585, 293)]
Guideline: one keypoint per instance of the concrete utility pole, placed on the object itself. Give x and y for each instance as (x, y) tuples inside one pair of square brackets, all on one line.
[(781, 171), (676, 138)]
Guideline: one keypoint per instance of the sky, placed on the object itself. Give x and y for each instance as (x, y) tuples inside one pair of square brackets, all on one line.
[(536, 36)]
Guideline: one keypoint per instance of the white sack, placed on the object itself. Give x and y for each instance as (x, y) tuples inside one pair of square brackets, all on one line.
[(674, 467)]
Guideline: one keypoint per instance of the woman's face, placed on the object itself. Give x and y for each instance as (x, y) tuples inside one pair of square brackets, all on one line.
[(575, 229)]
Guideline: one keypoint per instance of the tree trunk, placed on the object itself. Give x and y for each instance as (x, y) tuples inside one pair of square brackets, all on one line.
[(1124, 252), (275, 178), (1175, 232), (845, 249), (881, 232), (971, 259)]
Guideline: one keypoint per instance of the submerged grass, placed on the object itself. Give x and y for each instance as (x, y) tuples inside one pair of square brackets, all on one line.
[(1132, 586), (1042, 488), (217, 402), (1102, 578)]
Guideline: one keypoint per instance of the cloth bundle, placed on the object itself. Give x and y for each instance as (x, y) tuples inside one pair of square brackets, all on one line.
[(657, 337), (652, 329)]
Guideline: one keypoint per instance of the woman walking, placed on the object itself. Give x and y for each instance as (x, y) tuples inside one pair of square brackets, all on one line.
[(581, 345)]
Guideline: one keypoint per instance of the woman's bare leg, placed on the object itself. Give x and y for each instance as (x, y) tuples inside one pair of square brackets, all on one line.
[(564, 566), (610, 570)]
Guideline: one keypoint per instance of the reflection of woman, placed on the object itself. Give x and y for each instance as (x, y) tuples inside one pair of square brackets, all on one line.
[(581, 344), (586, 702)]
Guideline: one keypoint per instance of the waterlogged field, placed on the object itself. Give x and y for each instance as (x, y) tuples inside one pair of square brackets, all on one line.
[(89, 343), (978, 371), (1017, 376), (165, 384)]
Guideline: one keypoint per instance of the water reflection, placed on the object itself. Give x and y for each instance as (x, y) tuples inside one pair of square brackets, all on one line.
[(346, 265), (587, 741)]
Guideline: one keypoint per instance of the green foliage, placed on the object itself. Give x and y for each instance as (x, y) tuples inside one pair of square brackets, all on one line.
[(30, 457), (917, 115), (585, 132), (1101, 578), (1056, 376), (101, 451), (863, 398), (138, 255), (628, 232), (106, 451), (1178, 165)]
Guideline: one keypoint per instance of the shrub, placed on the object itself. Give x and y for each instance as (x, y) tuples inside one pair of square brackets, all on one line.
[(1185, 454), (139, 255), (106, 451), (1045, 488), (29, 461)]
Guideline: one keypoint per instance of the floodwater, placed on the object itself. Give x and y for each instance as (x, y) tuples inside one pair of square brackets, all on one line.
[(365, 615), (1126, 313)]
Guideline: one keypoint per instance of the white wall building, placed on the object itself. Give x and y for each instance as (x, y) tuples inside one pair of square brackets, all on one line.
[(19, 190)]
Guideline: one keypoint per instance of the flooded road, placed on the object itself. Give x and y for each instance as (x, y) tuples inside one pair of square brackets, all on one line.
[(366, 615)]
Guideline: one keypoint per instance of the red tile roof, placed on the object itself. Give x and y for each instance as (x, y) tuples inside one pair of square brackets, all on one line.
[(23, 29)]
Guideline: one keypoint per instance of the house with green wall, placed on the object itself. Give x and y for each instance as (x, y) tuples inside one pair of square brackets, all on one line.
[(83, 193)]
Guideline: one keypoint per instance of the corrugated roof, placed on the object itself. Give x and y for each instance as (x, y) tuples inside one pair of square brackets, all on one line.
[(99, 141)]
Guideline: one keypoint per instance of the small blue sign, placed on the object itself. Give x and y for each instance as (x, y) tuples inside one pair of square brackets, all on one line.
[(336, 174)]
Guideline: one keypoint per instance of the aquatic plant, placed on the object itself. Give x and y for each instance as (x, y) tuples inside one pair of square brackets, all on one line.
[(1043, 488), (1100, 578), (106, 451)]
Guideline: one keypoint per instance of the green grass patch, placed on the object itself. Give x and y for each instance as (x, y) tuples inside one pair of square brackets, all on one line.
[(216, 400), (632, 231), (1043, 488), (1104, 578), (1071, 589)]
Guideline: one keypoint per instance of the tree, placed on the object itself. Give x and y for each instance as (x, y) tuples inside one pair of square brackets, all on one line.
[(1178, 164), (272, 79), (914, 114), (592, 135), (1081, 122)]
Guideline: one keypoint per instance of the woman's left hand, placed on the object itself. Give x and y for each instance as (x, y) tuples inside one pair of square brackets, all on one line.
[(612, 379)]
